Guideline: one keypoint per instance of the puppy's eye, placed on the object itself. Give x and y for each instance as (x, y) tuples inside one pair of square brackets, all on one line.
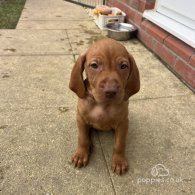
[(94, 65), (123, 66)]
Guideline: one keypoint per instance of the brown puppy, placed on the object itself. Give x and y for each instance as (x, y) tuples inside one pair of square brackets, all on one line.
[(111, 78)]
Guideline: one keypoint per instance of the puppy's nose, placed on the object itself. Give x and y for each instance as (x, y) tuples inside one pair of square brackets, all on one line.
[(110, 93), (110, 88)]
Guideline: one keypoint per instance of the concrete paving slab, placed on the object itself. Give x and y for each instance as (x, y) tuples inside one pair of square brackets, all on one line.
[(82, 39), (48, 10), (35, 81), (33, 42), (134, 45), (160, 132), (156, 80), (58, 24), (36, 146), (36, 139)]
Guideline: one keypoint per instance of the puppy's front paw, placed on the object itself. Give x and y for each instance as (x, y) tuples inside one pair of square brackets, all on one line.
[(119, 164), (80, 158)]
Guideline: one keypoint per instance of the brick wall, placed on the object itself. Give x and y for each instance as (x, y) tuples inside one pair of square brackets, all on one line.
[(179, 56)]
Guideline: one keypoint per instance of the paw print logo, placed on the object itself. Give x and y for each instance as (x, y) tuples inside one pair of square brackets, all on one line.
[(159, 170)]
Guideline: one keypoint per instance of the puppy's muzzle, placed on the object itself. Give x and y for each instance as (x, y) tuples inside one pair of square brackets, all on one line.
[(110, 92), (110, 89)]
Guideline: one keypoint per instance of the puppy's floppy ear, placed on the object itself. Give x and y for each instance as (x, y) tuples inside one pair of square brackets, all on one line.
[(76, 83), (133, 82)]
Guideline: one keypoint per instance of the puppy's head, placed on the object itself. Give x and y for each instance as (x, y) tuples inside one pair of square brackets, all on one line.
[(111, 72)]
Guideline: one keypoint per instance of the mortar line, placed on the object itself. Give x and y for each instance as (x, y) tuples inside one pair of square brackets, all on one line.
[(58, 20), (37, 107), (60, 29), (70, 45), (104, 156), (10, 55), (156, 98)]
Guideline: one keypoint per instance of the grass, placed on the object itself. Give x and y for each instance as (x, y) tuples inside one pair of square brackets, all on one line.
[(10, 11)]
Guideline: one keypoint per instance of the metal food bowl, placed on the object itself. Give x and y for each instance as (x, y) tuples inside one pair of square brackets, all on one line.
[(121, 31)]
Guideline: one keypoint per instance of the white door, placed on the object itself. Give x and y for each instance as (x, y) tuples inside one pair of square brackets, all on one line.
[(182, 11), (176, 17)]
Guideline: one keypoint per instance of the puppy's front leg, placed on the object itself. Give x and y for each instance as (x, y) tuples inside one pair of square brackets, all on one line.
[(119, 161), (81, 156)]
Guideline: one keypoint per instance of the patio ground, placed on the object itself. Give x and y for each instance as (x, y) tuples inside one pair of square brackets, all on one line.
[(38, 132)]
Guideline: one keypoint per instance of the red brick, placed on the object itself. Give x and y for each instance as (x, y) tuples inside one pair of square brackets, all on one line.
[(157, 32), (192, 61), (134, 4), (144, 25), (164, 53), (111, 3), (139, 5), (145, 38), (185, 71), (179, 47), (143, 5), (137, 18), (150, 5), (130, 13)]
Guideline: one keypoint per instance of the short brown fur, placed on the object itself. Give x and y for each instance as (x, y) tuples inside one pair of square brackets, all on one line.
[(111, 78)]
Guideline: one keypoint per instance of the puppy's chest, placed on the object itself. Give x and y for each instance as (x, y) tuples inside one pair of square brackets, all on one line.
[(101, 118), (99, 113)]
